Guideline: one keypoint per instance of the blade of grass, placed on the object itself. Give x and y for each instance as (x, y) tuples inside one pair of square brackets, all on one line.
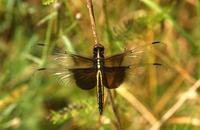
[(47, 42), (47, 18), (68, 44)]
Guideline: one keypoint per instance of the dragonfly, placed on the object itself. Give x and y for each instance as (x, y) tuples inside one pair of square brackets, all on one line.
[(99, 71)]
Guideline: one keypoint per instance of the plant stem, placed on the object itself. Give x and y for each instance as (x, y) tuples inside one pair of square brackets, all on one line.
[(47, 41), (116, 113)]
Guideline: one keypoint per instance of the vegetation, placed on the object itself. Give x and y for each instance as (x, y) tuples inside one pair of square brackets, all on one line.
[(165, 99)]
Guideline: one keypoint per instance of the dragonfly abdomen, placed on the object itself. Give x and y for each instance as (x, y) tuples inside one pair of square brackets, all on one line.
[(100, 91)]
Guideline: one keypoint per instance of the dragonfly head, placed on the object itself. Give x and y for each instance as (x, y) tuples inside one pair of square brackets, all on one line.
[(98, 50)]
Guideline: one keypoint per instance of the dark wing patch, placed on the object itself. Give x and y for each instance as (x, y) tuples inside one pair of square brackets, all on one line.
[(85, 78), (114, 76)]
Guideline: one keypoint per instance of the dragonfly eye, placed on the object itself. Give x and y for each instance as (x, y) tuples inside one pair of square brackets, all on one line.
[(98, 47), (101, 51), (95, 52)]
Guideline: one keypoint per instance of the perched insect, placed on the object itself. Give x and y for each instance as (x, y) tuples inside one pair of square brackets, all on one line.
[(99, 71)]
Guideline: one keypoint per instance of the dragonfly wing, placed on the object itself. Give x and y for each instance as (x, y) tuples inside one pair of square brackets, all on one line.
[(81, 69), (136, 55), (130, 63), (114, 76), (116, 60), (66, 65), (85, 78), (60, 58), (70, 60)]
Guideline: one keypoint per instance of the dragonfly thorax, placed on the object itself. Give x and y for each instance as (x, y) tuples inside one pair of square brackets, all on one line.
[(98, 56)]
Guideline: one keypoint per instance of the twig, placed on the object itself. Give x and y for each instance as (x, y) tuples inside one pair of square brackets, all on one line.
[(114, 109), (185, 120), (176, 106), (137, 104), (92, 20)]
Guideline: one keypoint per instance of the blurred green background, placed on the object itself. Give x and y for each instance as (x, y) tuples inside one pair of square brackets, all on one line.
[(32, 101)]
